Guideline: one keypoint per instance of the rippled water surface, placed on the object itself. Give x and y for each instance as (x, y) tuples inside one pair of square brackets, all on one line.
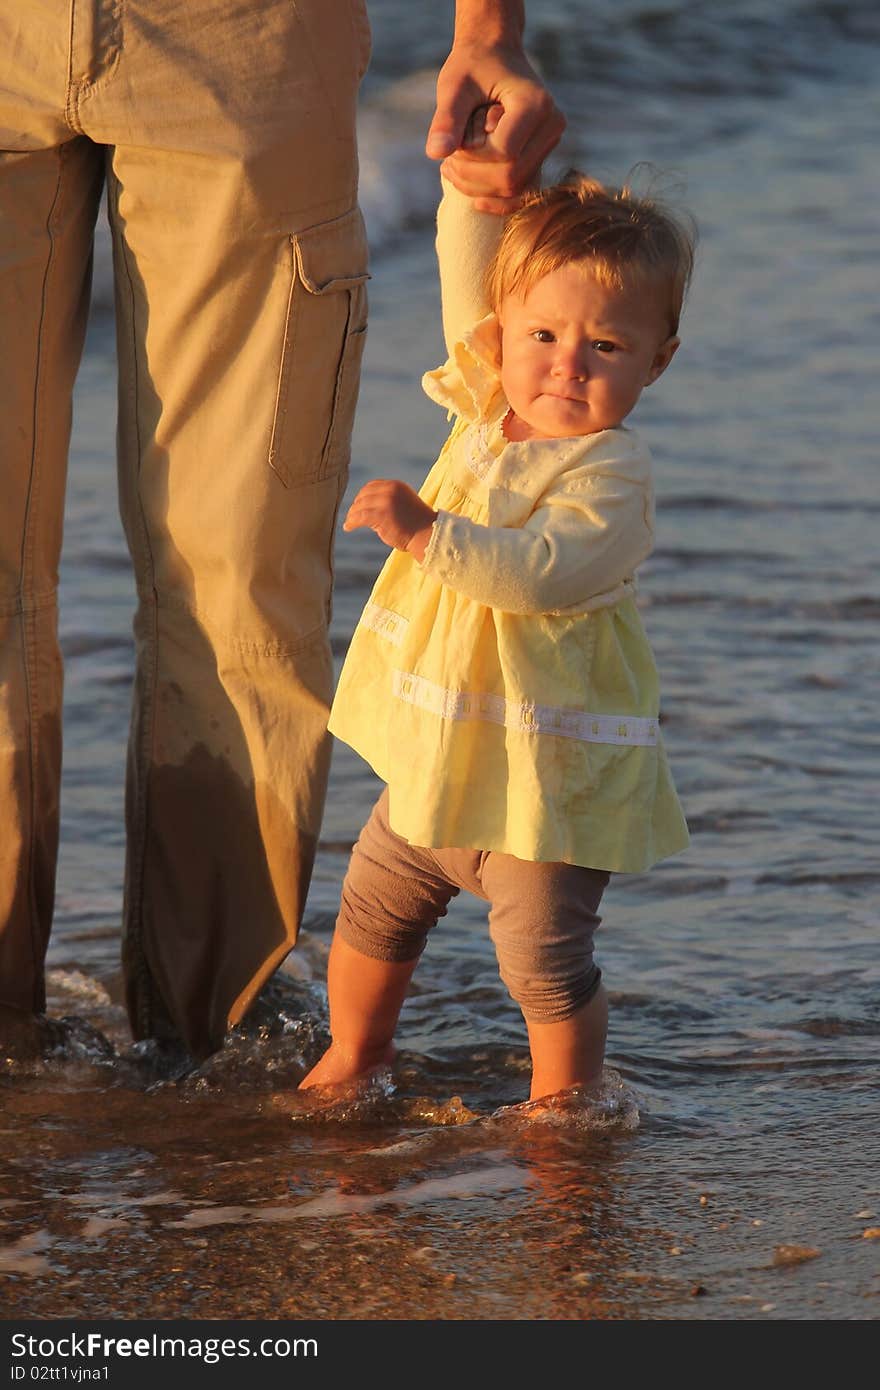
[(731, 1166)]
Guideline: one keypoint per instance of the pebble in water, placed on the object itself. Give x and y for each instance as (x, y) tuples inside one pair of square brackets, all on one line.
[(794, 1254)]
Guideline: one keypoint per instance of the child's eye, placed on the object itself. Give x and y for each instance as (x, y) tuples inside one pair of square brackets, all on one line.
[(543, 335), (603, 345)]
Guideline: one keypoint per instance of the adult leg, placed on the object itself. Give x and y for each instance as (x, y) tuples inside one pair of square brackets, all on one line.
[(50, 184), (240, 265)]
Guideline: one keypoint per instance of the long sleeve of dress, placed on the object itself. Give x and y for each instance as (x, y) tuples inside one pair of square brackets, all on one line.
[(466, 242), (583, 540)]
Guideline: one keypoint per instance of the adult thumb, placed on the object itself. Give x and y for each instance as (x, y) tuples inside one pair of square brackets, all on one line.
[(446, 132)]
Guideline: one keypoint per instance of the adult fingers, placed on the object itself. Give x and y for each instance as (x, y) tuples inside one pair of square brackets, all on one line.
[(457, 98), (527, 111), (503, 183)]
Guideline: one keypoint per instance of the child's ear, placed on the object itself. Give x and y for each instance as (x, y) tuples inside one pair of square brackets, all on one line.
[(662, 358)]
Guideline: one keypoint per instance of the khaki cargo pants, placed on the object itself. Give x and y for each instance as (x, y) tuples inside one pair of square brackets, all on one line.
[(224, 131)]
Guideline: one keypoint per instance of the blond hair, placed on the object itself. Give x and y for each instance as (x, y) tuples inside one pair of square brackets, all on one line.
[(623, 239)]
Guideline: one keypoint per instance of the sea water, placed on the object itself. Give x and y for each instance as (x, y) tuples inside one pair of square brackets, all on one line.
[(730, 1167)]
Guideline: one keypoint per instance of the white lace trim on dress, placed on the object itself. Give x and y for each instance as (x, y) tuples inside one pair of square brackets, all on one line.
[(385, 622), (527, 717)]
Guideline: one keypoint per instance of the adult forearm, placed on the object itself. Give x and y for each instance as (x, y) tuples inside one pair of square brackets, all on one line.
[(489, 21)]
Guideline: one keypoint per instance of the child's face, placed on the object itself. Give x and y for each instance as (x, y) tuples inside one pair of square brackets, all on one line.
[(576, 356)]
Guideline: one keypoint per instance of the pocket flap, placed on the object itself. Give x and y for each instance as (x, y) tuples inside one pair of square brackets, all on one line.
[(332, 255)]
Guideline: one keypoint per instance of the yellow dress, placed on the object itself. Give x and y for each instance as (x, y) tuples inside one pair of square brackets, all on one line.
[(504, 688)]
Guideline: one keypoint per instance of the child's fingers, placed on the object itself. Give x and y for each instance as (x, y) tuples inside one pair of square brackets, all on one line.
[(368, 511), (376, 503), (483, 120), (493, 116), (356, 514), (362, 516), (475, 131)]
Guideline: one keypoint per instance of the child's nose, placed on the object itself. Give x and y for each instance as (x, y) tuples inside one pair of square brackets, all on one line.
[(571, 361)]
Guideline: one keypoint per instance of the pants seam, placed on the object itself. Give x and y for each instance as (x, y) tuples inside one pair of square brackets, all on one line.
[(138, 839), (79, 91), (70, 112), (29, 610), (23, 604)]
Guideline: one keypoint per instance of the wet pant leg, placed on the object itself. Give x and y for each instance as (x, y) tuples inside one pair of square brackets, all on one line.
[(240, 261), (50, 184)]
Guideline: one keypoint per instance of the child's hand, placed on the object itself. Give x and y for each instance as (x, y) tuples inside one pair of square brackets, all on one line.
[(397, 514), (481, 125)]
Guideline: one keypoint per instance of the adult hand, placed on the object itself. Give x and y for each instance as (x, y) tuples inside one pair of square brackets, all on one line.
[(397, 514), (492, 75)]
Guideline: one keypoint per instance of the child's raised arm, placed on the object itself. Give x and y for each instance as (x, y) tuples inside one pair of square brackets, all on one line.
[(466, 238), (466, 243)]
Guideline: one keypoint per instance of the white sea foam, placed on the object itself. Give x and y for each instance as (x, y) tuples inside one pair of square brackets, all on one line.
[(399, 185), (24, 1256), (483, 1182), (76, 983)]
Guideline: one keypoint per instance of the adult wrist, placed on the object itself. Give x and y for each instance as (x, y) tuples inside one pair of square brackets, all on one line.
[(489, 24)]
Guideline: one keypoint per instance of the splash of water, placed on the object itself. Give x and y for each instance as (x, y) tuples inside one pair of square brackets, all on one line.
[(611, 1105), (31, 1046)]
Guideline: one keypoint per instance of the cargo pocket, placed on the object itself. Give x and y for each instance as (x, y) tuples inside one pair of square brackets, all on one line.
[(324, 333)]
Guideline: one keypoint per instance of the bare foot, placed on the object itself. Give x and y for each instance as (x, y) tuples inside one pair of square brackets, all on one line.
[(340, 1065)]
